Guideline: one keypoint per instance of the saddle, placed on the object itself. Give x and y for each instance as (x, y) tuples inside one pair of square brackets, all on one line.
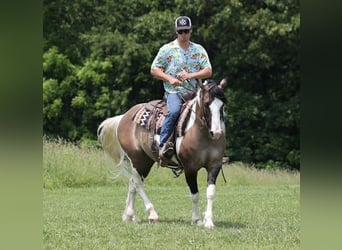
[(152, 114)]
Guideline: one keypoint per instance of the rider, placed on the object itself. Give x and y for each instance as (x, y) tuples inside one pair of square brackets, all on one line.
[(178, 63)]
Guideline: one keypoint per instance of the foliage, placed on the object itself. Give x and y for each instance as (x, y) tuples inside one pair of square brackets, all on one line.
[(97, 57), (263, 68)]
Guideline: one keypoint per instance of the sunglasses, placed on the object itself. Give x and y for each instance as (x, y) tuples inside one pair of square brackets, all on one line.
[(183, 31)]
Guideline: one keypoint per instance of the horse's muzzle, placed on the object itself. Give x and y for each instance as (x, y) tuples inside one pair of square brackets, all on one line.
[(215, 135)]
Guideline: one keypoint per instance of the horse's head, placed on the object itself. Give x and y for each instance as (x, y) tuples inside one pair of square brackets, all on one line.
[(211, 100)]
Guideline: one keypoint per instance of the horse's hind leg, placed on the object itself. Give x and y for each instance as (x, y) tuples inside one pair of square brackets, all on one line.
[(129, 213), (139, 185)]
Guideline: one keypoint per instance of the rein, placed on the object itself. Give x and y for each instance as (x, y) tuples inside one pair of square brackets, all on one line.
[(202, 119)]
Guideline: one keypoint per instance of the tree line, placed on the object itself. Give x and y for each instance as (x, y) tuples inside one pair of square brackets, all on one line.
[(97, 56)]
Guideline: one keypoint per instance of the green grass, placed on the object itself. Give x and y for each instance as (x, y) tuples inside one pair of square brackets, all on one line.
[(253, 210), (67, 165), (246, 217)]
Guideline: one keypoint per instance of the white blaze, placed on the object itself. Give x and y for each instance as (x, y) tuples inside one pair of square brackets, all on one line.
[(216, 126)]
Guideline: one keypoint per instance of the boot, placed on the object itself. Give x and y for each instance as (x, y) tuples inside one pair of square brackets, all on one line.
[(165, 155)]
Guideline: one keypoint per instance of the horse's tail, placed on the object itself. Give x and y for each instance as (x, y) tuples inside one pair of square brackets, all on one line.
[(107, 136)]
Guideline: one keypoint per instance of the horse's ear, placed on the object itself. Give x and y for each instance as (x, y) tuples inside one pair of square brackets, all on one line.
[(223, 83)]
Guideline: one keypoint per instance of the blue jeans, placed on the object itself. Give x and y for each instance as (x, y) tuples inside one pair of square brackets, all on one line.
[(174, 105)]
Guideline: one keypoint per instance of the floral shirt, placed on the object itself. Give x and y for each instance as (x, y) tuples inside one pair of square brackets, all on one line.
[(172, 59)]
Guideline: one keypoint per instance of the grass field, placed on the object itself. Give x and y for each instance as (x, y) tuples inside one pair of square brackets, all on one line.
[(82, 207)]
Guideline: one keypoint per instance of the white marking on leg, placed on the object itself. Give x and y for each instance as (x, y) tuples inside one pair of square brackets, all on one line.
[(208, 216), (195, 218), (153, 216), (139, 185), (129, 213)]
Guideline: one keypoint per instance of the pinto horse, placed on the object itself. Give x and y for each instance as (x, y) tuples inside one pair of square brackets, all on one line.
[(201, 145)]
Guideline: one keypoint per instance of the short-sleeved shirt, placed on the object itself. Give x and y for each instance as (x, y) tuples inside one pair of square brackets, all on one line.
[(172, 59)]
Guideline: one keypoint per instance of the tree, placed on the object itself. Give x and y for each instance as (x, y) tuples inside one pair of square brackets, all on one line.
[(259, 53), (97, 57)]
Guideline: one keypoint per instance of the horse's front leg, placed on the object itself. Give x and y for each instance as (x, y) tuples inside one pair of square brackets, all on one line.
[(208, 215), (139, 185), (191, 179), (195, 218), (211, 189)]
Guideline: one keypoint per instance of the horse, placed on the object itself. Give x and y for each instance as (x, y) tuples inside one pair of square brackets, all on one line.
[(201, 146)]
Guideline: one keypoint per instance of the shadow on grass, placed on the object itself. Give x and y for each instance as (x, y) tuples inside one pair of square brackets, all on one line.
[(218, 224), (229, 224)]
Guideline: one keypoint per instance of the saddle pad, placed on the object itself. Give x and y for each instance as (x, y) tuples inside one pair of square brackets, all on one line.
[(142, 116), (153, 118), (150, 115)]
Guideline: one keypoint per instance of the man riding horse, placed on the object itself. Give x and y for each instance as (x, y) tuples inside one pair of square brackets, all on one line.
[(202, 144), (178, 63)]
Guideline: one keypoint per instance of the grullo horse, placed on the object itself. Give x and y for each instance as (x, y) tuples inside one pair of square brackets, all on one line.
[(201, 145)]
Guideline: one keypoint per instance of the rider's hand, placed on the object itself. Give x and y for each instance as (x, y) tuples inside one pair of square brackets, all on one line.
[(175, 82), (184, 76)]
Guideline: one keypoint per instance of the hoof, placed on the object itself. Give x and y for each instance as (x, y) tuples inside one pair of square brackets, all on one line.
[(130, 218), (197, 222), (209, 225), (153, 221), (135, 219)]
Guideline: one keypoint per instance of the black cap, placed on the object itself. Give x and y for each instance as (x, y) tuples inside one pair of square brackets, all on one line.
[(183, 23)]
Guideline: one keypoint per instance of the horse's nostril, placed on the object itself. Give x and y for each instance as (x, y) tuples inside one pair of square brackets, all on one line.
[(215, 135)]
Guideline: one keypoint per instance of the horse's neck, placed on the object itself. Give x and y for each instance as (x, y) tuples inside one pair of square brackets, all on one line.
[(198, 109), (195, 114)]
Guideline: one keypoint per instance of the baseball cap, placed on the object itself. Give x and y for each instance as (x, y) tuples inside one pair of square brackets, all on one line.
[(183, 23)]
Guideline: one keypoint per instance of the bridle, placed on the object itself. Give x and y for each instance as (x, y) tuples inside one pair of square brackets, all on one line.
[(208, 93), (205, 96)]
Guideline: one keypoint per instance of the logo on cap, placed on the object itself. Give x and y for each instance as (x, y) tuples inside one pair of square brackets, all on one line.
[(182, 22)]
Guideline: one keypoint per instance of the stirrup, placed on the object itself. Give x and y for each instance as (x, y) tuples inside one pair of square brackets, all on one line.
[(168, 163), (167, 150)]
